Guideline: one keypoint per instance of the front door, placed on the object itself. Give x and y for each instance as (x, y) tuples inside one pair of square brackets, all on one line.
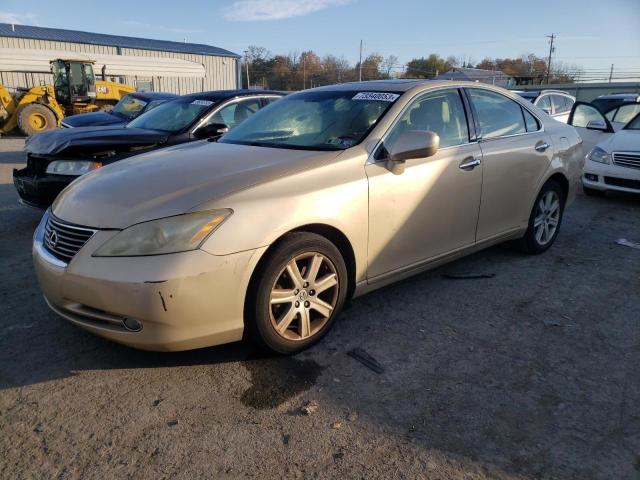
[(592, 126), (432, 207), (515, 154)]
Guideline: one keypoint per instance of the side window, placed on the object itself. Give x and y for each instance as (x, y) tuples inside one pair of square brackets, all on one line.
[(441, 112), (269, 100), (583, 114), (235, 113), (498, 115), (626, 113), (544, 103), (611, 114), (530, 121), (559, 104), (569, 103)]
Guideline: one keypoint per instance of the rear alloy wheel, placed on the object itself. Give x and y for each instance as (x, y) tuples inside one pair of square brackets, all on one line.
[(35, 118), (301, 289), (545, 219)]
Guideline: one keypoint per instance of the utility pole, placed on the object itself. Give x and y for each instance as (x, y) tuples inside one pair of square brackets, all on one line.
[(360, 74), (611, 74), (246, 62), (304, 72), (551, 38)]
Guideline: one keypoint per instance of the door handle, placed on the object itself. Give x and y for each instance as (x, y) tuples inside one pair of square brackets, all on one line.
[(469, 163), (541, 146)]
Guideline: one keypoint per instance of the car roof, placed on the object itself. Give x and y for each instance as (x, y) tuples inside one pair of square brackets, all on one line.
[(218, 95), (153, 95)]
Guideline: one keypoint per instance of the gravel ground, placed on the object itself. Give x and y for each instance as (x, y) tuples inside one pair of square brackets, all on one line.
[(530, 374)]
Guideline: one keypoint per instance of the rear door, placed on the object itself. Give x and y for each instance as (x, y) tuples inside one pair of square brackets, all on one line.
[(516, 152), (592, 126)]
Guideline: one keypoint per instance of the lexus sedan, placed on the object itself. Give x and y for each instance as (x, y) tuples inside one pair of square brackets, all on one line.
[(57, 157), (129, 107), (324, 195)]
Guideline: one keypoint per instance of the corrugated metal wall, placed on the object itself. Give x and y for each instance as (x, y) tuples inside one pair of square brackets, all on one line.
[(221, 72)]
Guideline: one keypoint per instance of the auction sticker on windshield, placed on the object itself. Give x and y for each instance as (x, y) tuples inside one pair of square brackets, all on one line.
[(382, 97)]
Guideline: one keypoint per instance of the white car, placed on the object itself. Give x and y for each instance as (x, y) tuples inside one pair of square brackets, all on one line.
[(556, 103), (613, 161)]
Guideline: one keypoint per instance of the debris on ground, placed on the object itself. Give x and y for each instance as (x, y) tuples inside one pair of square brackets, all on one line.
[(310, 407), (172, 423), (468, 276), (553, 323), (628, 243), (352, 417), (337, 425), (367, 360)]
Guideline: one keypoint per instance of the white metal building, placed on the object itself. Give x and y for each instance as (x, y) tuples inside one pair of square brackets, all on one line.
[(156, 65)]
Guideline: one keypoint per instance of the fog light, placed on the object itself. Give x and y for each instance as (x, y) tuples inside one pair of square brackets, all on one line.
[(132, 324), (591, 177)]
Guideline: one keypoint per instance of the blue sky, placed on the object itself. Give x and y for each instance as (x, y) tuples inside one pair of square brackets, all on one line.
[(591, 34)]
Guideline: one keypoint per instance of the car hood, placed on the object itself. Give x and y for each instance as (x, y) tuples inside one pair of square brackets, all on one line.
[(622, 141), (174, 180), (94, 119), (85, 139)]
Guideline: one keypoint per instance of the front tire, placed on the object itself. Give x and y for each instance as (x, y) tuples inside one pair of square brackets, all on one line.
[(35, 118), (546, 217), (296, 294)]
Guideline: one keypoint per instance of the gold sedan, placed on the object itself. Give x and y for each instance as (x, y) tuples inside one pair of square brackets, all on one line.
[(327, 194)]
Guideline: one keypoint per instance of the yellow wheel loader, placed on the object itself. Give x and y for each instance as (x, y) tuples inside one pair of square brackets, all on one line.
[(74, 90)]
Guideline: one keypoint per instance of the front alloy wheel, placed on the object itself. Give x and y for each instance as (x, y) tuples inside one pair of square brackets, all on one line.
[(304, 296), (296, 293)]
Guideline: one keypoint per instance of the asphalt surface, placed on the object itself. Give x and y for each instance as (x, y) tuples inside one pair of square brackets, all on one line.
[(530, 374)]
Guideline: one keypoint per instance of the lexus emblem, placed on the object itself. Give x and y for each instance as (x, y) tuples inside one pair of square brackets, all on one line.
[(53, 239)]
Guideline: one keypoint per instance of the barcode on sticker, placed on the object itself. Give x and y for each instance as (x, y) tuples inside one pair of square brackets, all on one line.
[(204, 103), (379, 96)]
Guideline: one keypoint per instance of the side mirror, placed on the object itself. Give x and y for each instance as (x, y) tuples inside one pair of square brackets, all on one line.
[(211, 130), (597, 125), (416, 144)]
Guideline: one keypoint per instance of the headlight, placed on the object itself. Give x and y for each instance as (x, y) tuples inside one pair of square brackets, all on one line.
[(166, 235), (599, 155), (72, 167)]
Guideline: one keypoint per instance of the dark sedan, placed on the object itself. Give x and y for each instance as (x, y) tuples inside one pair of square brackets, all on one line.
[(131, 106), (57, 157)]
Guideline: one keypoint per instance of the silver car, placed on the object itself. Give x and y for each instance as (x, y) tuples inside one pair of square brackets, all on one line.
[(327, 194)]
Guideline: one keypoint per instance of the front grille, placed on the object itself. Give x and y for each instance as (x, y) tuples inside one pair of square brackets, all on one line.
[(629, 160), (622, 182), (64, 240)]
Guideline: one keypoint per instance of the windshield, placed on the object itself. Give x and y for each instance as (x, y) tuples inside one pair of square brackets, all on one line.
[(314, 120), (173, 116), (129, 107)]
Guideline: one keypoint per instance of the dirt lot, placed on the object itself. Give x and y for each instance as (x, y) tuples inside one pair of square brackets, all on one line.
[(530, 374)]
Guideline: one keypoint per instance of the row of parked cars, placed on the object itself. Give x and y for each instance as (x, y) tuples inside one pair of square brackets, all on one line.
[(609, 127), (253, 214)]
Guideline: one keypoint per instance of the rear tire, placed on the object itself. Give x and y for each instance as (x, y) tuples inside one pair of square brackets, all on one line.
[(296, 293), (592, 192), (545, 220), (36, 118)]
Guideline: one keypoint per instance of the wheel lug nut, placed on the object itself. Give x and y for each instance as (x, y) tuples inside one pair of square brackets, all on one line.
[(296, 291), (312, 292), (306, 304), (306, 284), (297, 304)]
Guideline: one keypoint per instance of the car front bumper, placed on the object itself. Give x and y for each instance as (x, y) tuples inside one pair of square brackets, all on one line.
[(39, 190), (182, 301), (600, 176)]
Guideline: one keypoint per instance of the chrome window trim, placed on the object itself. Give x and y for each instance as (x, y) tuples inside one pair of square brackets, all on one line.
[(228, 102), (371, 157)]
